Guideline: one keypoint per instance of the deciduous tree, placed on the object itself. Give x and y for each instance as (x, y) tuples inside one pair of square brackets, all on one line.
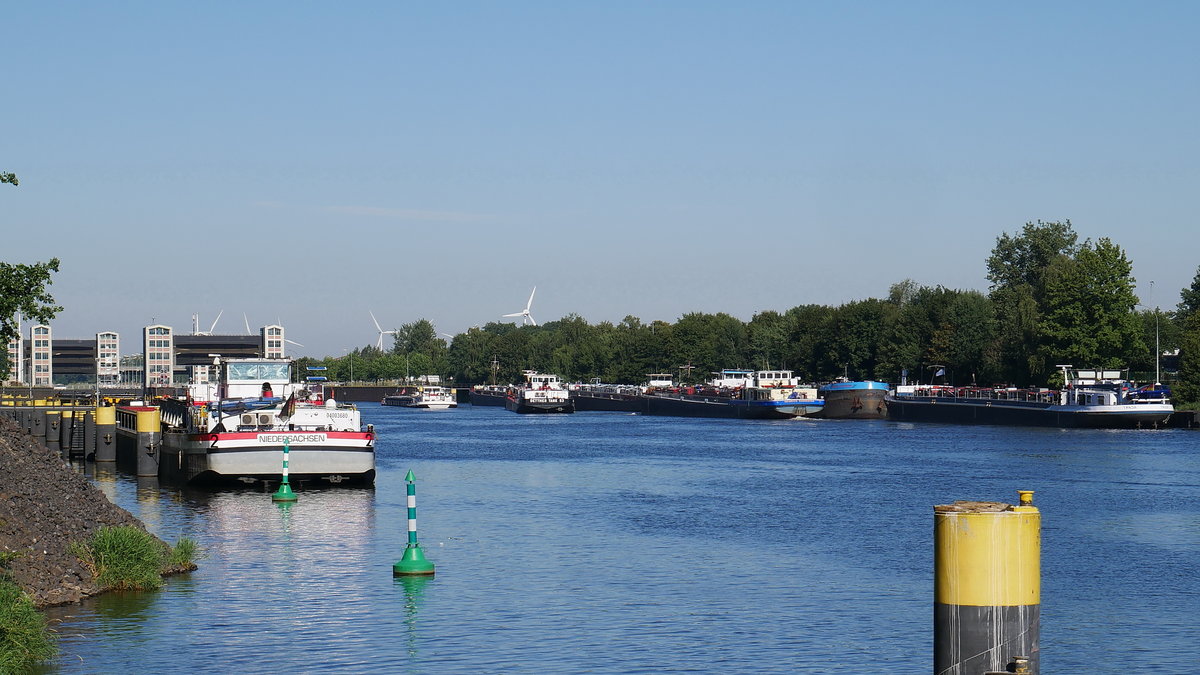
[(23, 292), (1089, 317)]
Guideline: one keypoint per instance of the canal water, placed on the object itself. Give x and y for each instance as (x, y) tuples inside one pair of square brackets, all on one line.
[(613, 543)]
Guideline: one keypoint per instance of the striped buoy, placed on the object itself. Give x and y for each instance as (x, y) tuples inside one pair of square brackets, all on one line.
[(413, 561), (284, 493)]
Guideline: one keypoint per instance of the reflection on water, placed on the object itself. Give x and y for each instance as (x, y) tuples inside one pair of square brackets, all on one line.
[(413, 586), (615, 543)]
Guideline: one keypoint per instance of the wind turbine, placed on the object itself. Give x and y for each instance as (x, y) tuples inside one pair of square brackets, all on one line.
[(382, 332), (196, 321), (524, 314), (278, 322)]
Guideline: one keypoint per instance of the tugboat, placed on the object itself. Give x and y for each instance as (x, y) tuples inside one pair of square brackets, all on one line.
[(541, 394), (489, 394), (429, 397), (1098, 399)]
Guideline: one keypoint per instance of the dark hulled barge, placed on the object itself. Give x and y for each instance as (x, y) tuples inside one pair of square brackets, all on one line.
[(733, 394), (863, 400), (1098, 399)]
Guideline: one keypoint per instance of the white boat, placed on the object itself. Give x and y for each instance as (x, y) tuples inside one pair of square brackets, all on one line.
[(235, 429), (430, 397)]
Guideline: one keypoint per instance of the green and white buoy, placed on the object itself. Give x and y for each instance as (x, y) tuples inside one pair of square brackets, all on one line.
[(284, 493), (413, 561)]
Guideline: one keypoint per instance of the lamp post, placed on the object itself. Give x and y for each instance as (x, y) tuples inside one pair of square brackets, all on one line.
[(1157, 348)]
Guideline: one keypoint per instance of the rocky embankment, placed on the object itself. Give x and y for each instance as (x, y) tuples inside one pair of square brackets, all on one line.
[(44, 506)]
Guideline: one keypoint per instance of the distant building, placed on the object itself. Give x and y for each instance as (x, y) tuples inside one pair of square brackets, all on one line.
[(272, 342), (16, 360), (190, 357), (73, 361), (41, 370), (159, 350), (108, 359)]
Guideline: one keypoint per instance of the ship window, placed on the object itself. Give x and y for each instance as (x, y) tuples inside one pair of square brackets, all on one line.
[(258, 371)]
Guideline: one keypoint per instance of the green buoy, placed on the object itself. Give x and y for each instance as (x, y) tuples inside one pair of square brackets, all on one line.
[(284, 493), (413, 561)]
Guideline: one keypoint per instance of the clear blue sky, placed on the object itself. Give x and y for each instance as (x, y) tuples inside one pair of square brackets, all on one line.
[(310, 162)]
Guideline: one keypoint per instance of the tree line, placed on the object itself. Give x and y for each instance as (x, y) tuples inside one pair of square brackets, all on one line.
[(1052, 300)]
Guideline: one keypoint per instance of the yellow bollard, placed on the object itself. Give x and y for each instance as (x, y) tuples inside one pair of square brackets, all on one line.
[(149, 436), (987, 587)]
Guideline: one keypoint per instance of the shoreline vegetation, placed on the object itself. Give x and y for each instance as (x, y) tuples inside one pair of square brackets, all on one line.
[(62, 540), (1053, 299)]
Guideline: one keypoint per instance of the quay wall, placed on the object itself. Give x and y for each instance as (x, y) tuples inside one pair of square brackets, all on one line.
[(1184, 419)]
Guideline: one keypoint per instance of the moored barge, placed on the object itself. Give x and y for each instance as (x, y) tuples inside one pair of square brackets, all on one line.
[(863, 400), (1098, 399), (235, 430)]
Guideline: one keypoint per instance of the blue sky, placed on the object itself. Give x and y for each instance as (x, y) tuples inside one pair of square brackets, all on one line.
[(311, 163)]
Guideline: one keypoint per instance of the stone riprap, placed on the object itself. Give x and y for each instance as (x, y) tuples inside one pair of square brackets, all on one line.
[(44, 506)]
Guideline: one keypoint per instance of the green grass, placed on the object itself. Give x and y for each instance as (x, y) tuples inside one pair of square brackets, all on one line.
[(184, 552), (129, 558), (24, 638)]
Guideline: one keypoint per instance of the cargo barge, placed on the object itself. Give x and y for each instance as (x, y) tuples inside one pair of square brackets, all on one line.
[(1097, 399)]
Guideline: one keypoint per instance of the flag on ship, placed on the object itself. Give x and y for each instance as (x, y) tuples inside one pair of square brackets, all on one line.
[(288, 408)]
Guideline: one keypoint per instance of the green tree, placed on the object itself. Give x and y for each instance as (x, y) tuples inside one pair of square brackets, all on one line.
[(1186, 393), (767, 340), (1018, 269), (23, 292), (9, 178), (809, 329), (950, 328), (1189, 299), (709, 342), (853, 345), (1160, 334), (1089, 317)]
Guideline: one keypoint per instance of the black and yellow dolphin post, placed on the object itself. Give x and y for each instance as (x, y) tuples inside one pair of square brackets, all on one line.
[(987, 587)]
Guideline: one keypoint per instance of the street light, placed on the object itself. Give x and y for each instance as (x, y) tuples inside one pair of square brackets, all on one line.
[(1157, 349)]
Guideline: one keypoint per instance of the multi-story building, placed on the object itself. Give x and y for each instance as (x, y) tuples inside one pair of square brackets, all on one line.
[(108, 359), (273, 342), (192, 355), (159, 349), (41, 370), (16, 360)]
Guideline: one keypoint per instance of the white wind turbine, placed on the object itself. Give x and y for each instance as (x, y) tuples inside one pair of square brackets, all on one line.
[(524, 314), (246, 322), (196, 321), (382, 332)]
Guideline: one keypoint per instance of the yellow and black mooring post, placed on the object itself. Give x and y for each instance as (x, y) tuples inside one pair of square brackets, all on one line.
[(149, 436), (106, 434), (39, 425), (987, 587), (52, 430)]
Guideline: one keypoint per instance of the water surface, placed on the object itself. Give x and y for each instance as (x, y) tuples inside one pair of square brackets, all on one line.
[(613, 543)]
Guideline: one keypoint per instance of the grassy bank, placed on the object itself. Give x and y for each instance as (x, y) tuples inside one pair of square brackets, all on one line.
[(25, 640), (129, 558)]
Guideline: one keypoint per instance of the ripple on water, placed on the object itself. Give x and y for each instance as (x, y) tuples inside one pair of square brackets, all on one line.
[(629, 544)]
